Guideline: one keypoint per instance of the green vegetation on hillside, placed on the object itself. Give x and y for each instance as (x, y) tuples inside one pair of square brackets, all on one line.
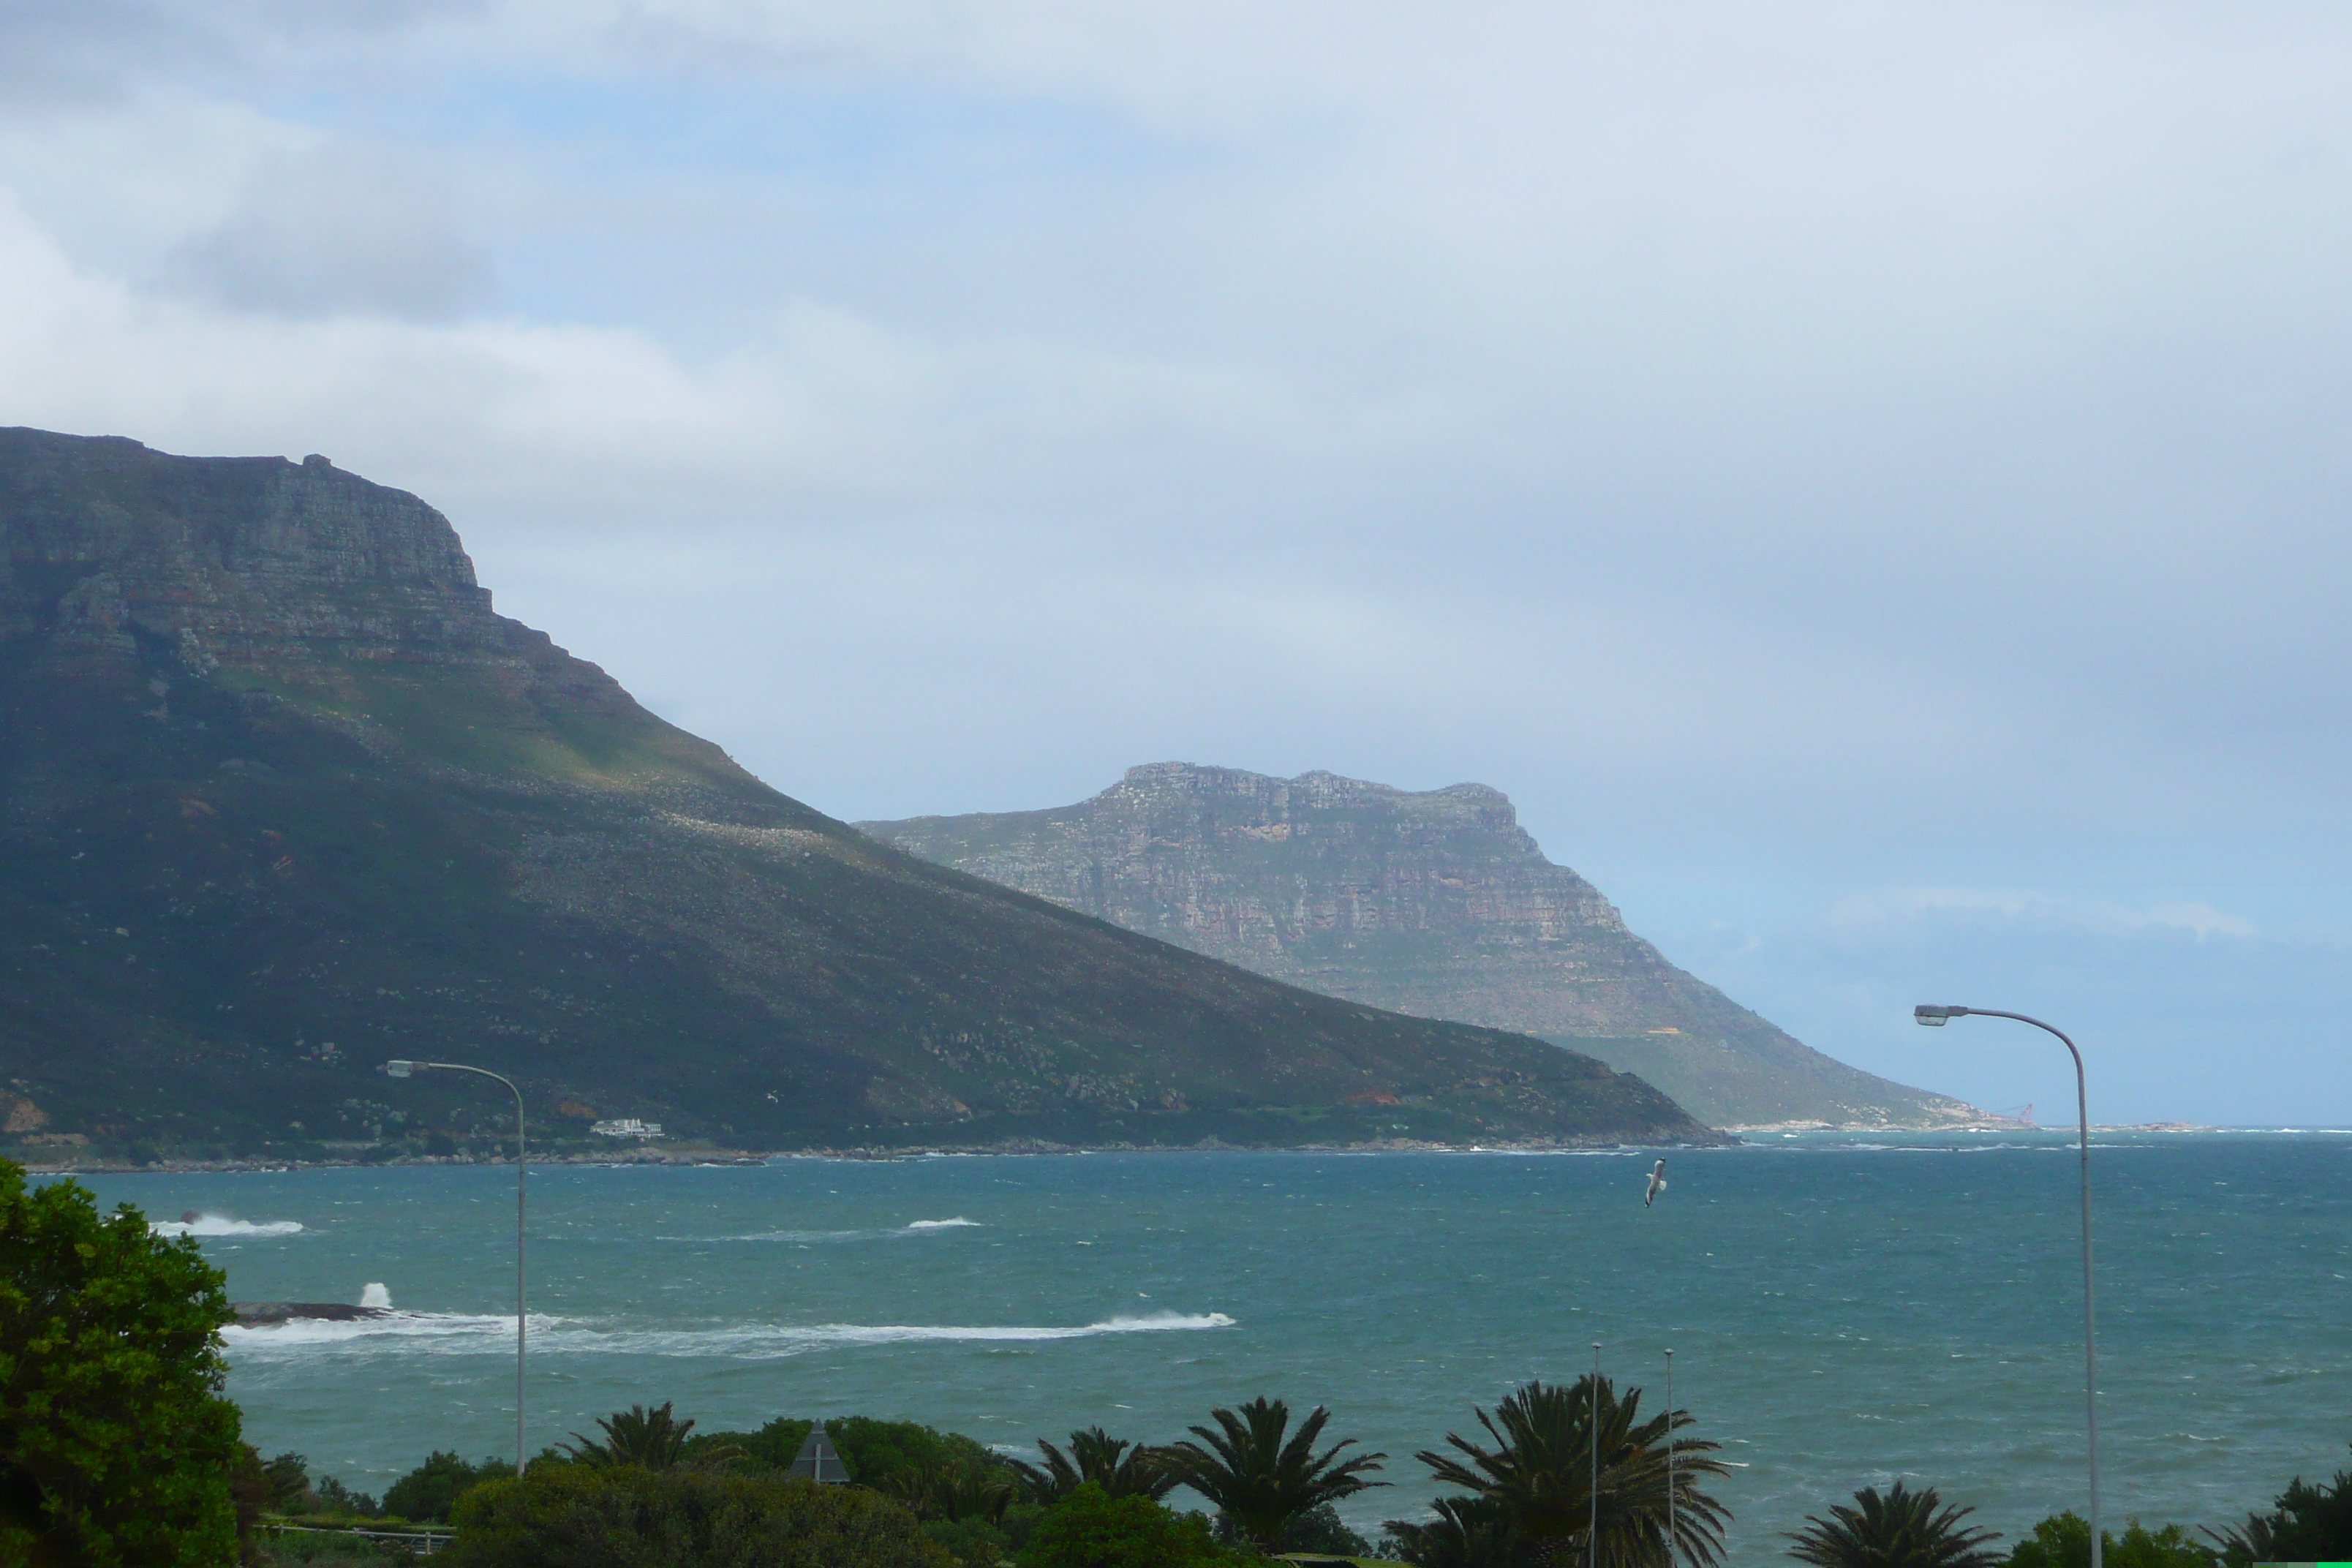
[(286, 799)]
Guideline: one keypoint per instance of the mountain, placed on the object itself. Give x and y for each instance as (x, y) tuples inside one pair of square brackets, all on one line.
[(282, 797), (1438, 904)]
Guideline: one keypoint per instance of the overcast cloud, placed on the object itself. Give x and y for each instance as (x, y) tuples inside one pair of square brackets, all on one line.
[(1868, 480)]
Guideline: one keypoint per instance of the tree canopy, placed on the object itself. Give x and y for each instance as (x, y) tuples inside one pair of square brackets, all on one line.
[(116, 1445)]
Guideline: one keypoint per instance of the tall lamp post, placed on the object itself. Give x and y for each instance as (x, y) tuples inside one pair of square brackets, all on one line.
[(404, 1069), (1934, 1018)]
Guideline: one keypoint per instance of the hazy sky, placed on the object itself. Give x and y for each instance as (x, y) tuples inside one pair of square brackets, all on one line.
[(1869, 479)]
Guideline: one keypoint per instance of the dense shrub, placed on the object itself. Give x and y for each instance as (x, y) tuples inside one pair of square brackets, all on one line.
[(1321, 1531), (1092, 1529), (2063, 1541), (116, 1447), (875, 1451), (428, 1493), (582, 1516)]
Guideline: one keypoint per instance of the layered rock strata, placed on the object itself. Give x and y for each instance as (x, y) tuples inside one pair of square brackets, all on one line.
[(1437, 904)]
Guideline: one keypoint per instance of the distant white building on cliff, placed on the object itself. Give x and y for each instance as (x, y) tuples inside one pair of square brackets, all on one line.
[(627, 1127)]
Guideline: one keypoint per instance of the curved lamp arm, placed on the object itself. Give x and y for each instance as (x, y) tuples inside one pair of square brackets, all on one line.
[(404, 1069), (1935, 1017)]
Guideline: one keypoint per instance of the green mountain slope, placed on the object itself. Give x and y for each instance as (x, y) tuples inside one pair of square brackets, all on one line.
[(1438, 904), (280, 797)]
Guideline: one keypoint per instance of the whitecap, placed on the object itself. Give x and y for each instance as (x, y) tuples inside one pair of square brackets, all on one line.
[(452, 1334), (221, 1224), (824, 1237)]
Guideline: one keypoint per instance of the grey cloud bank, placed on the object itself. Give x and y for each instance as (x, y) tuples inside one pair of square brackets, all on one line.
[(1804, 454)]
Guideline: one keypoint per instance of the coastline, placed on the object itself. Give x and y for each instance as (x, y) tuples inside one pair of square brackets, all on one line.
[(690, 1155)]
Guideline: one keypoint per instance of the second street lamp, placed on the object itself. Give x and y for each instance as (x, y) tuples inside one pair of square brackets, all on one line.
[(1935, 1017), (406, 1068)]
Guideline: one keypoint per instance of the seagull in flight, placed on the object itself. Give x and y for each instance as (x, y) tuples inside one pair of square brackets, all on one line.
[(1657, 1183)]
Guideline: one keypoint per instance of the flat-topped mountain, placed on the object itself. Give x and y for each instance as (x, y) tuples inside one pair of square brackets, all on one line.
[(1438, 904), (282, 797)]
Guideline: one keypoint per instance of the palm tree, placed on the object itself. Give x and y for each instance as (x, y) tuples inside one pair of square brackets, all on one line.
[(652, 1440), (956, 1489), (1468, 1532), (1258, 1480), (1901, 1530), (1540, 1473), (1120, 1468)]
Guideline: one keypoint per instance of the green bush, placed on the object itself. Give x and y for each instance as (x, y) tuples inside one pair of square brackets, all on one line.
[(116, 1448), (428, 1493), (1092, 1529), (582, 1516), (877, 1450), (1321, 1531), (772, 1448), (2063, 1541)]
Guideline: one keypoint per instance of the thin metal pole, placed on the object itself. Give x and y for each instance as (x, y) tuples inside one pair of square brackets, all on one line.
[(522, 1455), (1592, 1404), (2090, 1318), (1670, 1458)]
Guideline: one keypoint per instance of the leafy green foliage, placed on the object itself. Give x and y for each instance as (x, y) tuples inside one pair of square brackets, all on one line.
[(1092, 1529), (877, 1450), (625, 1515), (1120, 1468), (2307, 1523), (2063, 1541), (1320, 1530), (1258, 1480), (772, 1448), (334, 1497), (116, 1447), (428, 1493), (1902, 1529), (1539, 1472)]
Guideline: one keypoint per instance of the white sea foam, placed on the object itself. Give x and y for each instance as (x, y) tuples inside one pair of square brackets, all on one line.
[(377, 1295), (821, 1238), (460, 1330), (221, 1224), (453, 1334)]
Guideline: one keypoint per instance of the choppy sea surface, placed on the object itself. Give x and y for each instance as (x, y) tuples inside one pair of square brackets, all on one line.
[(1841, 1310)]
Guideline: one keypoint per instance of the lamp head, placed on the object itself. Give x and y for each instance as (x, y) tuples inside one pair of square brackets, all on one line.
[(1935, 1017), (399, 1069)]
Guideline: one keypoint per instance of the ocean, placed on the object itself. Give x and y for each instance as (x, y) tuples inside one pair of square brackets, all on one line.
[(1841, 1310)]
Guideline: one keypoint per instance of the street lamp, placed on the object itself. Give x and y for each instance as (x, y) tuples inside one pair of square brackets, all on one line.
[(1935, 1017), (404, 1069)]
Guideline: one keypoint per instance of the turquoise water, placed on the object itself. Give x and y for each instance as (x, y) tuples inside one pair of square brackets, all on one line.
[(1841, 1311)]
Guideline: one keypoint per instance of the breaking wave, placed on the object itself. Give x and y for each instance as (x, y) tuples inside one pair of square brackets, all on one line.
[(955, 1224), (221, 1224), (456, 1333)]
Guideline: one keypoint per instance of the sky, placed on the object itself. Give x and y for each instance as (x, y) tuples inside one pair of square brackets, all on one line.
[(1869, 480)]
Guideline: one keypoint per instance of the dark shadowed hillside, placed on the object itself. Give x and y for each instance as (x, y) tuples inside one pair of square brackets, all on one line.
[(1438, 904), (283, 797)]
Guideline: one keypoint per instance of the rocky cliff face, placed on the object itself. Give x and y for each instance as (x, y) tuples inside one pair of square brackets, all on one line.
[(1437, 904), (281, 796)]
